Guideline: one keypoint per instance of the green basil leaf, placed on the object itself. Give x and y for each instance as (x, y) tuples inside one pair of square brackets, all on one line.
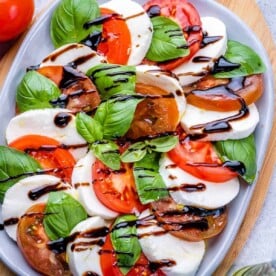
[(116, 116), (249, 60), (108, 153), (134, 153), (67, 22), (124, 240), (14, 165), (149, 183), (90, 129), (63, 213), (243, 150), (168, 41), (113, 79), (162, 144), (35, 92)]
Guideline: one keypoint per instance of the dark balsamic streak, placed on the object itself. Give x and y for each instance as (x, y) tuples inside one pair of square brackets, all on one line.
[(223, 125), (62, 119), (11, 221), (1, 226), (153, 11), (54, 56), (81, 60), (224, 65), (36, 193), (90, 273), (93, 40), (209, 40), (100, 20), (109, 67)]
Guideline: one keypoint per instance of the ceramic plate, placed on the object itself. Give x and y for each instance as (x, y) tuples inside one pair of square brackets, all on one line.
[(37, 45)]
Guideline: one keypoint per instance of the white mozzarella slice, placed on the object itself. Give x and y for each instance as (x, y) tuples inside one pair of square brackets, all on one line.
[(240, 128), (214, 195), (139, 26), (83, 252), (152, 75), (82, 180), (201, 63), (78, 54), (18, 199), (185, 257), (42, 122)]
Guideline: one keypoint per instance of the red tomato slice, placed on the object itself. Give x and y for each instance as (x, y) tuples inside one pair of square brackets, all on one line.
[(116, 39), (51, 158), (200, 159), (186, 15), (109, 268), (32, 240), (116, 189)]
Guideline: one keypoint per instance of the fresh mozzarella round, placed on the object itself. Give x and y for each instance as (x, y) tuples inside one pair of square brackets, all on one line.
[(239, 129), (185, 257), (79, 55), (152, 75), (42, 122), (83, 252), (139, 26), (25, 193), (82, 180), (201, 63), (215, 195)]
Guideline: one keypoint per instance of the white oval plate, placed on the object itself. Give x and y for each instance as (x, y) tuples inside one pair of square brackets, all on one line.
[(37, 45)]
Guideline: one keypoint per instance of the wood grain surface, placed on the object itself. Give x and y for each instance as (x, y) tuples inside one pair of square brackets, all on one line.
[(250, 13)]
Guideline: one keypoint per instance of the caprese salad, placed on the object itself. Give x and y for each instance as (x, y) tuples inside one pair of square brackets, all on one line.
[(129, 140)]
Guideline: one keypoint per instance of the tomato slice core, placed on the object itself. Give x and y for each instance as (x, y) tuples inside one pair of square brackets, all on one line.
[(200, 159), (48, 153), (116, 189), (116, 39), (153, 116)]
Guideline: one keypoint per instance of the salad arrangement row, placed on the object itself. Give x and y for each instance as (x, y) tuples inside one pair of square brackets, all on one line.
[(129, 140)]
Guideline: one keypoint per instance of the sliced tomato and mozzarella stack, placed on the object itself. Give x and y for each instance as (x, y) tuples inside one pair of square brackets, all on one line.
[(163, 106), (222, 109), (126, 36), (31, 190), (77, 55), (56, 125)]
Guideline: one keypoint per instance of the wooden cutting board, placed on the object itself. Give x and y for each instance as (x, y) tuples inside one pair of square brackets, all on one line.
[(250, 13)]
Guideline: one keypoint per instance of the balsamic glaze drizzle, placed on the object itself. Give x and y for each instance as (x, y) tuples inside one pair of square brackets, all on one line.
[(222, 125)]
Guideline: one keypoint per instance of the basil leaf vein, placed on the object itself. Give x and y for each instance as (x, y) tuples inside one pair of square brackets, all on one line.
[(108, 153), (63, 213), (125, 242), (90, 129), (116, 116), (137, 151), (35, 92), (168, 40), (149, 183), (67, 22)]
